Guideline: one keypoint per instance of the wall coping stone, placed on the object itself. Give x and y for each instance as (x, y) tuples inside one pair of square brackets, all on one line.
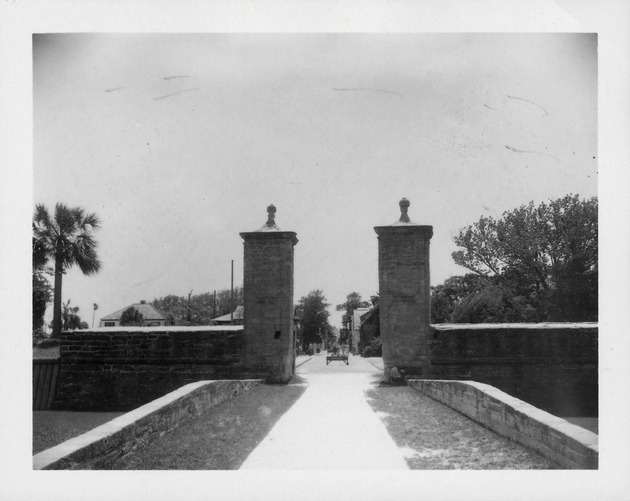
[(173, 328), (79, 452), (543, 325), (555, 448)]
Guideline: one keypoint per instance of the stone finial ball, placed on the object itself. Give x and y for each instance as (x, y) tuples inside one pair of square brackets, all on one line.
[(271, 216), (404, 205)]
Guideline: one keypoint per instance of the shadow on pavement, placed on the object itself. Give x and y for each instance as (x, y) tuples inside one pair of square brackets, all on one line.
[(297, 380)]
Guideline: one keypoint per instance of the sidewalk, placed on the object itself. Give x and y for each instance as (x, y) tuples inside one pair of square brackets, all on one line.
[(331, 426)]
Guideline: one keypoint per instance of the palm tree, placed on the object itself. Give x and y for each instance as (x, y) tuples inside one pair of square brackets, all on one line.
[(68, 240)]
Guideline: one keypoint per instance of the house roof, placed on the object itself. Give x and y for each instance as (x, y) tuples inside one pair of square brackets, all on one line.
[(357, 316), (148, 312), (368, 314), (238, 315)]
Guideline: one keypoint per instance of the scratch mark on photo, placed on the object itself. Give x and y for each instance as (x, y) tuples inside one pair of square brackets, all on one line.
[(369, 90), (174, 94), (516, 150), (530, 102), (172, 77)]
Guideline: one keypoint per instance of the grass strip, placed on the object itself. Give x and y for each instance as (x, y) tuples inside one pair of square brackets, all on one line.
[(222, 438), (52, 428)]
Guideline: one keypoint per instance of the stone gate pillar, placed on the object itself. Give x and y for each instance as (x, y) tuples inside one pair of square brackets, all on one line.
[(405, 294), (269, 349)]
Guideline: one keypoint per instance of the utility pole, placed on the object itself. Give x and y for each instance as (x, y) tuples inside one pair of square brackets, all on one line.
[(188, 308), (214, 305), (232, 296), (94, 313)]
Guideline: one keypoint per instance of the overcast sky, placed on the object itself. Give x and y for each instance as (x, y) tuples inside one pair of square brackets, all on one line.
[(179, 142)]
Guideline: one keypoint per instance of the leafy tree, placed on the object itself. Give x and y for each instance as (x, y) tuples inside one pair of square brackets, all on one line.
[(311, 310), (225, 304), (539, 262), (67, 239), (446, 296), (199, 309), (174, 307), (42, 295), (353, 301), (70, 317), (493, 304), (131, 317), (42, 291)]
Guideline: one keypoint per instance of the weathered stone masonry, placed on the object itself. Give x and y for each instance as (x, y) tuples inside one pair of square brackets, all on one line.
[(551, 366), (101, 447), (554, 367), (123, 368), (268, 301), (405, 294), (564, 443)]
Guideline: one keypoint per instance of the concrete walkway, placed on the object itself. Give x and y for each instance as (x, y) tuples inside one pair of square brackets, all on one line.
[(331, 426)]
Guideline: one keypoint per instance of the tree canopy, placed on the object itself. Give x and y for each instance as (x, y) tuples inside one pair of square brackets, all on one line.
[(42, 290), (313, 315), (198, 309), (445, 297), (131, 317), (42, 295), (67, 239), (536, 263), (71, 319), (353, 301)]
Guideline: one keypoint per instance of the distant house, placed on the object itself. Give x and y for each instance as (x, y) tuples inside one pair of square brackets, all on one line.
[(370, 326), (361, 327), (355, 329), (150, 314), (237, 317)]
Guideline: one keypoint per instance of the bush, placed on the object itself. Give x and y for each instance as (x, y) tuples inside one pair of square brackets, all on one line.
[(493, 304), (131, 317), (38, 335), (48, 343), (374, 349)]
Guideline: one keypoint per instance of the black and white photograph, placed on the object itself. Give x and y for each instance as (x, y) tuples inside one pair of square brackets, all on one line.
[(353, 262)]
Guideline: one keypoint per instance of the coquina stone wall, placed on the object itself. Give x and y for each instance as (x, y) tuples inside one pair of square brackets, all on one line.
[(119, 369), (568, 445), (101, 447), (405, 294), (268, 300), (551, 366)]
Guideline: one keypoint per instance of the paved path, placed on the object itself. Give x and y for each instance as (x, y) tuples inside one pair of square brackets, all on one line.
[(331, 426)]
